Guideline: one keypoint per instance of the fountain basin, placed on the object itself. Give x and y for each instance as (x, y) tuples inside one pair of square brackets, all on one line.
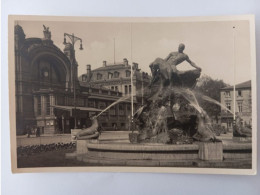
[(206, 151), (237, 150), (137, 151)]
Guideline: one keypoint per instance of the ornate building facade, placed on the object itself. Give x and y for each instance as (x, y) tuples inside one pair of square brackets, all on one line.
[(45, 80), (243, 104), (117, 77)]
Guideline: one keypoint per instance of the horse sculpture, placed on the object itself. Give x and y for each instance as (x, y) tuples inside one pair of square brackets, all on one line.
[(163, 72)]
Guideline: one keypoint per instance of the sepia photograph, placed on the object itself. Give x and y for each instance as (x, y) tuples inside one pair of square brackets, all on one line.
[(174, 95)]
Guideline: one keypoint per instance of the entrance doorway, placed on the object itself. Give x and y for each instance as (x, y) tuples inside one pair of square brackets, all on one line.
[(72, 124)]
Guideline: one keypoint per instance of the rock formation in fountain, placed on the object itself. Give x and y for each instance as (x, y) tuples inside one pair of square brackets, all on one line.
[(171, 113)]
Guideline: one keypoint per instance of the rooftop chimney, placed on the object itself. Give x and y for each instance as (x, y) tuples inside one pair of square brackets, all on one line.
[(135, 65), (104, 63), (125, 62), (88, 72), (88, 68)]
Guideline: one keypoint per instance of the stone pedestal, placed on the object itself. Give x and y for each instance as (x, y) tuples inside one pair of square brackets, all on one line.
[(211, 151), (81, 147)]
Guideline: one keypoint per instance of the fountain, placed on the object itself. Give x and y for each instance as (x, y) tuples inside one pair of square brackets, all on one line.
[(170, 126), (171, 113)]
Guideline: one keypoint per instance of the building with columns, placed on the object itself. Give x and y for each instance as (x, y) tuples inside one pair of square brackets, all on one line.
[(117, 77), (45, 81), (243, 104)]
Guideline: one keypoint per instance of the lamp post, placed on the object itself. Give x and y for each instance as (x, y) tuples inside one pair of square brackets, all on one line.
[(73, 40)]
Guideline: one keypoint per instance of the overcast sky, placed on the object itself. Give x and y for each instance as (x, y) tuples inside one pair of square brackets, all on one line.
[(208, 44)]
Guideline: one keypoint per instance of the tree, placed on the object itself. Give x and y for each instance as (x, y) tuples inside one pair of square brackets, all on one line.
[(211, 88)]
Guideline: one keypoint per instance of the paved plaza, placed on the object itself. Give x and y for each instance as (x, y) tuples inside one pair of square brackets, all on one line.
[(113, 137), (105, 137)]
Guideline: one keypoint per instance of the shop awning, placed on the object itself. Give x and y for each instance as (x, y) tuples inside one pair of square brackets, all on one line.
[(78, 108)]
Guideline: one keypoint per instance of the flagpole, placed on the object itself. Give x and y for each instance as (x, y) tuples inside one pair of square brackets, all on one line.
[(114, 51), (142, 88), (132, 86), (234, 66)]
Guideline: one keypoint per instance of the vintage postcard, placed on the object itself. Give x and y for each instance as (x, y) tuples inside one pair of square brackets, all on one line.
[(171, 95)]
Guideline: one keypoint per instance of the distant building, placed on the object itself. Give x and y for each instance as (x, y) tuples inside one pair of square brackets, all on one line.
[(44, 90), (116, 117), (117, 77), (243, 104)]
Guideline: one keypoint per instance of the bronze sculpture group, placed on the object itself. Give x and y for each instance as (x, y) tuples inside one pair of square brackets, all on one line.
[(171, 113)]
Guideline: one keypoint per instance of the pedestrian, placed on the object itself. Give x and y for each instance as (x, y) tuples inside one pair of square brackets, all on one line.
[(38, 132), (42, 130), (115, 126), (28, 130)]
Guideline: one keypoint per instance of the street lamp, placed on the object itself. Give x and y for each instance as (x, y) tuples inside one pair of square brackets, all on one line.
[(73, 40)]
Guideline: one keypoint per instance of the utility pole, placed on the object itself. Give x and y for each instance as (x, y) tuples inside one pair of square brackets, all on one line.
[(73, 40)]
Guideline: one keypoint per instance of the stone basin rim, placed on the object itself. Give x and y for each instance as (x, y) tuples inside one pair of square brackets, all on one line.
[(141, 147)]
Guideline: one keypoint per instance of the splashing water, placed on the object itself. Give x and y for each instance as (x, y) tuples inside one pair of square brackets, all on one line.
[(207, 98), (161, 122), (114, 103), (195, 103), (190, 97)]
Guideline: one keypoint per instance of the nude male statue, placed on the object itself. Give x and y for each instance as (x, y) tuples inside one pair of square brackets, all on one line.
[(175, 58), (166, 68)]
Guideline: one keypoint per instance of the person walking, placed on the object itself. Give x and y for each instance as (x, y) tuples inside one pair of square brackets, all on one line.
[(28, 130)]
